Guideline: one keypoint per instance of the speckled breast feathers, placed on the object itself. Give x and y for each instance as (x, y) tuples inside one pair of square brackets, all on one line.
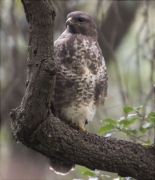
[(81, 78)]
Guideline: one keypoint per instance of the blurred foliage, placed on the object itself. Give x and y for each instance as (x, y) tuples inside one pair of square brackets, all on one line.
[(126, 32), (126, 125)]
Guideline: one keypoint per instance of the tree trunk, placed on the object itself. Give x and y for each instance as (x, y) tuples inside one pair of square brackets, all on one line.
[(34, 125)]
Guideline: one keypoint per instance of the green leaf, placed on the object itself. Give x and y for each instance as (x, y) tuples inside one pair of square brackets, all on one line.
[(127, 109), (142, 130), (139, 108), (147, 125), (88, 173), (133, 120), (127, 131), (133, 131), (110, 121), (151, 117), (147, 143), (124, 122), (106, 128), (127, 122)]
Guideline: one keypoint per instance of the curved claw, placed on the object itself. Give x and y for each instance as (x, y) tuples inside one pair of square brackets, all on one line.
[(78, 126), (81, 127)]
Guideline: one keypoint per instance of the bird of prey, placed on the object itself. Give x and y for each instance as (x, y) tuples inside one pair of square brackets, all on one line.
[(81, 77)]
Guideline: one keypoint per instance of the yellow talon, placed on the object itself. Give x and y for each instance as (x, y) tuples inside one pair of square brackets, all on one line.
[(75, 125), (81, 127)]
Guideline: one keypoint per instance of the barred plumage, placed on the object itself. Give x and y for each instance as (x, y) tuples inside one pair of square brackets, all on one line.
[(81, 78)]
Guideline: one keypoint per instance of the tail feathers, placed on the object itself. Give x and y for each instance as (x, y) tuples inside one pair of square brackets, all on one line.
[(61, 167)]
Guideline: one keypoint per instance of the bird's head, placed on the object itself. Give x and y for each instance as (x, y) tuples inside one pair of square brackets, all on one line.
[(79, 22)]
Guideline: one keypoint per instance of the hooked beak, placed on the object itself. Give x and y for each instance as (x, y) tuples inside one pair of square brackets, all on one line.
[(69, 21)]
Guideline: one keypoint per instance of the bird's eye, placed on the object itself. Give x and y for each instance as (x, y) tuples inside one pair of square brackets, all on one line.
[(80, 19)]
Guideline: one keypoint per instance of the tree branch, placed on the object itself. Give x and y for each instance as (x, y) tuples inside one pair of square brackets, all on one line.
[(34, 125)]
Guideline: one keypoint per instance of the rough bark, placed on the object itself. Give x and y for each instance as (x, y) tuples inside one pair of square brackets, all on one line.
[(34, 125)]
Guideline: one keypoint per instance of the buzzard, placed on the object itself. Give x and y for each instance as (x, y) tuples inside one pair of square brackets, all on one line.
[(81, 78)]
